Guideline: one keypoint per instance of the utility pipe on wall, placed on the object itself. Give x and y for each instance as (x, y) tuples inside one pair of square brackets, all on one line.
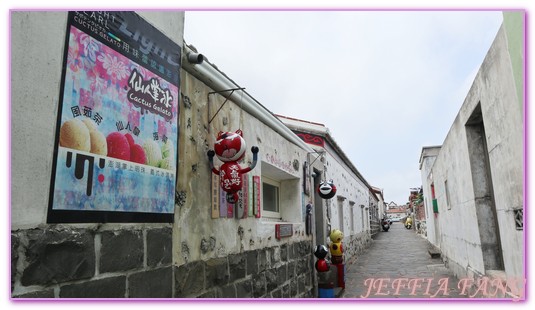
[(218, 81)]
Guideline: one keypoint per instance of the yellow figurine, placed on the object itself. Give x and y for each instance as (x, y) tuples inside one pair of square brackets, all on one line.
[(336, 248), (408, 223)]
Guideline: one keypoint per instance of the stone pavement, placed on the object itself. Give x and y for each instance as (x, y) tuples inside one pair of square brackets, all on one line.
[(398, 265)]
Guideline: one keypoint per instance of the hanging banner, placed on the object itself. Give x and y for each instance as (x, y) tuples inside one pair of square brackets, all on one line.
[(215, 196), (222, 204), (115, 151), (257, 196), (250, 203), (241, 204)]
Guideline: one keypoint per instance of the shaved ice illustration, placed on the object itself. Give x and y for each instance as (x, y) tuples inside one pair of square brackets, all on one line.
[(168, 156), (118, 146), (167, 163), (167, 149), (108, 151), (137, 154), (74, 134), (90, 124), (130, 139), (99, 145), (153, 153)]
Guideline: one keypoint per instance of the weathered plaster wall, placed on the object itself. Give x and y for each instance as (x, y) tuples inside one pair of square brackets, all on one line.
[(495, 90), (351, 193), (223, 245), (34, 106), (426, 163), (348, 210)]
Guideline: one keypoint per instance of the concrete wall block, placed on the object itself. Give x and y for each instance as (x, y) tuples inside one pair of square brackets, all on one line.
[(275, 254), (189, 279), (301, 286), (282, 273), (252, 262), (304, 248), (217, 272), (291, 268), (209, 294), (244, 289), (276, 293), (263, 260), (293, 288), (159, 247), (55, 256), (48, 293), (114, 287), (227, 291), (151, 284), (303, 265), (308, 294), (259, 285), (284, 252), (237, 266), (286, 291), (15, 241), (293, 251), (121, 251), (309, 277), (272, 279), (275, 277)]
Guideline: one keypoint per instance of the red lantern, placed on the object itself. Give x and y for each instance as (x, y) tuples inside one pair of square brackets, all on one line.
[(230, 148)]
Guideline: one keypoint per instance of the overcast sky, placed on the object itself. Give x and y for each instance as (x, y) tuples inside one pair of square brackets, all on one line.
[(385, 83)]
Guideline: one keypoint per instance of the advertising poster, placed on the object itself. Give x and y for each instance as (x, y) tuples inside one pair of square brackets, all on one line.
[(117, 128)]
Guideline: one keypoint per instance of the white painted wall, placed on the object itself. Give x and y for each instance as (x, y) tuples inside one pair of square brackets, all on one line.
[(352, 192), (193, 221), (427, 160), (494, 88)]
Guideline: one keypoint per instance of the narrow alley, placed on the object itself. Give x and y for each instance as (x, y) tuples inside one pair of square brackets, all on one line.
[(398, 265), (140, 169)]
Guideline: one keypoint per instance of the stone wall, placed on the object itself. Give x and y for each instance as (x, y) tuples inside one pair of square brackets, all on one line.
[(357, 244), (477, 175), (137, 263), (66, 262), (284, 271)]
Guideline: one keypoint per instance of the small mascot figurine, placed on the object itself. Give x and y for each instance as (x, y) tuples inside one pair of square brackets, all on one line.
[(336, 248), (321, 264), (327, 190), (230, 148), (326, 278)]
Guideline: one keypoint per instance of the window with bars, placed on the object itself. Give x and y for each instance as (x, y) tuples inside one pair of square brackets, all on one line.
[(519, 219)]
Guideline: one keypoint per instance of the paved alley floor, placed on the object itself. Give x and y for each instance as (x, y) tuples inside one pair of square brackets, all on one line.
[(398, 265)]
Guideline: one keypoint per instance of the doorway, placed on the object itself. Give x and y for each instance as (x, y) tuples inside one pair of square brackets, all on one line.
[(489, 231), (319, 214)]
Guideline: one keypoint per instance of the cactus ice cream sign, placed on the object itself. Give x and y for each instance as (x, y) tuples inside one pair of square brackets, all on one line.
[(117, 132), (149, 95)]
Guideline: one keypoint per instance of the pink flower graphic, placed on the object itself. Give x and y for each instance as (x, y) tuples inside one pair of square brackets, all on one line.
[(86, 98), (73, 58), (114, 67), (98, 84), (91, 46)]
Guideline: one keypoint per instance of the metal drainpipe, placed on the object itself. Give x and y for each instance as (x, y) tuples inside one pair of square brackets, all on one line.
[(212, 77)]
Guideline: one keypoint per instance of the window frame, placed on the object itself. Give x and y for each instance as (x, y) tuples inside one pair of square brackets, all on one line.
[(446, 189), (266, 213)]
